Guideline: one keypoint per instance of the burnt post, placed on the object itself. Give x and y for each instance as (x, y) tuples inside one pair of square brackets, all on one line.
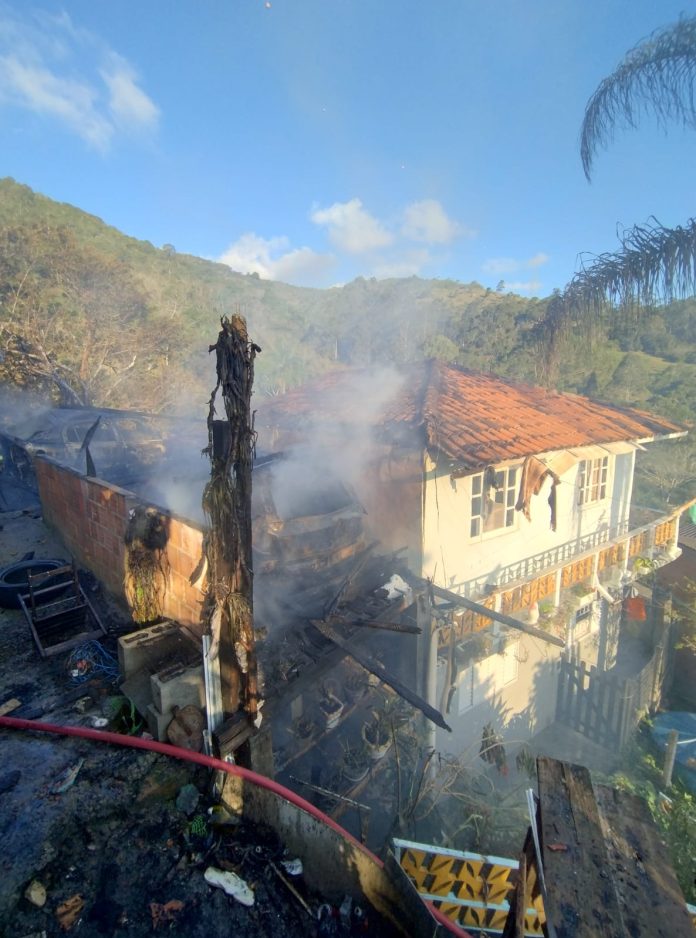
[(228, 606)]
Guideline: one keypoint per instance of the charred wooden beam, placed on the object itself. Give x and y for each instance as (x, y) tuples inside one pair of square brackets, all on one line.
[(227, 610), (333, 604), (454, 599), (374, 667)]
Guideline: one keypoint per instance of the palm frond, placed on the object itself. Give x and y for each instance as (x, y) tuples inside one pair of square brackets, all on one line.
[(654, 265), (656, 76)]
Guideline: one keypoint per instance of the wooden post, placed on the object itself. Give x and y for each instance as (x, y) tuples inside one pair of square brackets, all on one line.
[(228, 606), (670, 756)]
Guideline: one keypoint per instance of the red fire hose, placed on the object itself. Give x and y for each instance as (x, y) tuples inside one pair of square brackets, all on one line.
[(134, 742)]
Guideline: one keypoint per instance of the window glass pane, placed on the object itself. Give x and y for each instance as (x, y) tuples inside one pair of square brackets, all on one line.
[(475, 527), (499, 479), (509, 517), (476, 485), (476, 505)]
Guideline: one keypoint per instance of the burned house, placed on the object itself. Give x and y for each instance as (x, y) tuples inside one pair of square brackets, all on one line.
[(514, 502), (433, 550)]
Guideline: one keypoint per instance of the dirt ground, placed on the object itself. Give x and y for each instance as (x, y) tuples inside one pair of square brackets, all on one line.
[(117, 843)]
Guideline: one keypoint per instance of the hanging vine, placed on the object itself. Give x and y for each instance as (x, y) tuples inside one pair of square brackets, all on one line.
[(147, 566)]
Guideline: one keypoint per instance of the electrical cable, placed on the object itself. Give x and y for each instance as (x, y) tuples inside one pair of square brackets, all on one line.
[(89, 660)]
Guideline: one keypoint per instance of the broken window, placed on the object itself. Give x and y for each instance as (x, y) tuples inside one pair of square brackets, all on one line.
[(592, 480), (493, 500)]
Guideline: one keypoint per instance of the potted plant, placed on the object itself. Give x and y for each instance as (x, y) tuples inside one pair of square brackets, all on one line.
[(355, 684), (330, 706), (377, 735), (355, 763)]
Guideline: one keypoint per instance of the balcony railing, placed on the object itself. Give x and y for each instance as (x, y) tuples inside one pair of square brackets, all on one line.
[(649, 538)]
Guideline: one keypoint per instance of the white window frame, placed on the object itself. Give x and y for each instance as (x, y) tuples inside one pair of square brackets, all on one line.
[(503, 501), (593, 480)]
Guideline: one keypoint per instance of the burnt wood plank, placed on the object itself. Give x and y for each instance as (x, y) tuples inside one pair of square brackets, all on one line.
[(646, 885), (374, 667), (389, 626), (458, 600), (580, 901)]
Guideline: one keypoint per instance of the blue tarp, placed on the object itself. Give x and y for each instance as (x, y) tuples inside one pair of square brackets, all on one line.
[(685, 725)]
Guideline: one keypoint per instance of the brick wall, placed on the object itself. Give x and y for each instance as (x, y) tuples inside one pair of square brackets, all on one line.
[(91, 516)]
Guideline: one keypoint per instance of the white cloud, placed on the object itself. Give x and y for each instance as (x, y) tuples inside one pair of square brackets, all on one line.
[(56, 70), (129, 106), (524, 286), (37, 89), (351, 228), (509, 265), (268, 257), (427, 221)]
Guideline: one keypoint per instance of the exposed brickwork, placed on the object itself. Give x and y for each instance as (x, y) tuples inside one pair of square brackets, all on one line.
[(92, 517)]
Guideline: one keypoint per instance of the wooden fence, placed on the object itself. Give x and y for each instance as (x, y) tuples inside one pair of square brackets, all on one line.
[(606, 708)]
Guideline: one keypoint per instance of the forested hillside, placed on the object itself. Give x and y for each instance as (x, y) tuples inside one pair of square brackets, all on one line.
[(89, 315)]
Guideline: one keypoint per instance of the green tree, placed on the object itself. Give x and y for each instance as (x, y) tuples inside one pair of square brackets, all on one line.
[(75, 323)]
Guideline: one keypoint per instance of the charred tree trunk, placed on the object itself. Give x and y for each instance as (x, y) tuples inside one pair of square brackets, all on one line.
[(228, 606)]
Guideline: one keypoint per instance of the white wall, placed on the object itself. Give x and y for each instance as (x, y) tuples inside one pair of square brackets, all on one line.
[(516, 691), (453, 557)]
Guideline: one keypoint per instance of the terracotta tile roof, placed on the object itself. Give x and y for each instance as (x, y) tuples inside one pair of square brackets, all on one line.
[(473, 419)]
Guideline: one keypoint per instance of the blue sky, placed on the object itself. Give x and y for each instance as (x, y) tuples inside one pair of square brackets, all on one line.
[(314, 141)]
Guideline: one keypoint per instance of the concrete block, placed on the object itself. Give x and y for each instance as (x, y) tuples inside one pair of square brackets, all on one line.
[(178, 686), (137, 689), (157, 723), (147, 647)]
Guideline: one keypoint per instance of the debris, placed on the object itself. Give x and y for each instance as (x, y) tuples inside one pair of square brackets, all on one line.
[(68, 912), (219, 816), (396, 586), (66, 778), (379, 671), (83, 704), (112, 706), (9, 706), (8, 780), (345, 910), (558, 848), (292, 867), (90, 659), (198, 827), (98, 722), (165, 913), (36, 893), (291, 889), (329, 923), (232, 884), (187, 799)]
